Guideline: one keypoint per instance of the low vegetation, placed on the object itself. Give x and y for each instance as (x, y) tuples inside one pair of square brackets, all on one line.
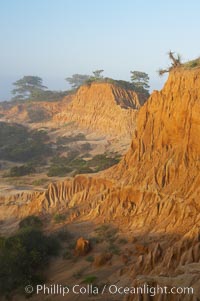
[(67, 255), (89, 258), (24, 255), (61, 166), (59, 218), (70, 139), (193, 64), (176, 62), (18, 171), (32, 147), (58, 171), (109, 235), (78, 274), (89, 279), (31, 221), (48, 95), (103, 161), (37, 115), (66, 239), (106, 233), (114, 249), (39, 182), (18, 144), (122, 241), (64, 235)]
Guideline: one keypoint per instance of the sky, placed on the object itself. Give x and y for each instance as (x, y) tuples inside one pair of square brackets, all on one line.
[(54, 39)]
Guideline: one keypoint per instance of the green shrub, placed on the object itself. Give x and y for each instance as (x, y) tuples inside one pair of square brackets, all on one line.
[(87, 155), (37, 162), (2, 242), (102, 228), (37, 115), (67, 255), (39, 182), (72, 245), (78, 274), (70, 139), (122, 241), (90, 279), (23, 256), (59, 171), (19, 144), (106, 233), (57, 160), (61, 166), (103, 161), (114, 249), (12, 134), (18, 171), (30, 221), (86, 147), (80, 166), (90, 258), (64, 235), (111, 234), (59, 218), (48, 95), (95, 240), (192, 64), (83, 170)]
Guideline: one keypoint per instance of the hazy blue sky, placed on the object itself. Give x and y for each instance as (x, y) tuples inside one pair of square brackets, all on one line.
[(57, 38)]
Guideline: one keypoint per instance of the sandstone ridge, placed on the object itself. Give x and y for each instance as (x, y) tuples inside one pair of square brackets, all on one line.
[(103, 107), (100, 107)]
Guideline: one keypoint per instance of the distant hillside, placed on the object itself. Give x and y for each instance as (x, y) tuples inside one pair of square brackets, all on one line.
[(102, 107)]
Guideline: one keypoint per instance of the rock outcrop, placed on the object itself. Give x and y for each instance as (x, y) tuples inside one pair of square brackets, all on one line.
[(21, 113), (100, 107), (103, 107), (82, 247)]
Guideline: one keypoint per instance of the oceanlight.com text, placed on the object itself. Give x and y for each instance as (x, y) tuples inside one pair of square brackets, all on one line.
[(112, 289)]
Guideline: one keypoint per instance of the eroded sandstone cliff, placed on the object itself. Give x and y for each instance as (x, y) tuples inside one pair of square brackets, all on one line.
[(100, 107), (160, 170), (103, 107), (154, 191)]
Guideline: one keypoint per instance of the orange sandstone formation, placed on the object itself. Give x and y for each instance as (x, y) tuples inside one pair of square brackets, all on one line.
[(100, 107), (103, 107), (154, 191)]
